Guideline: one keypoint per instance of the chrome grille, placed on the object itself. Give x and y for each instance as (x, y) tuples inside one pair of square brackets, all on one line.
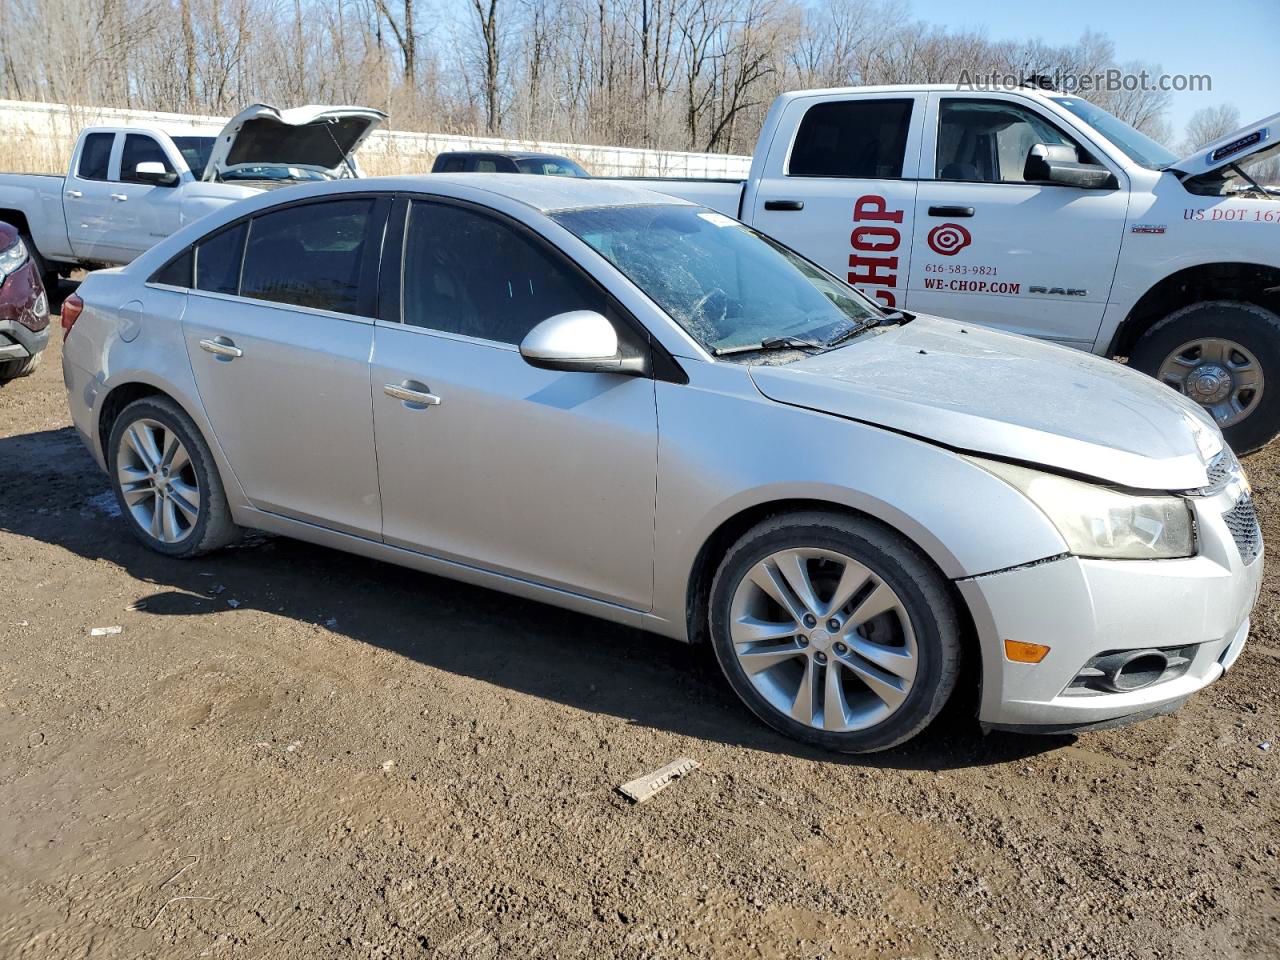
[(1242, 521)]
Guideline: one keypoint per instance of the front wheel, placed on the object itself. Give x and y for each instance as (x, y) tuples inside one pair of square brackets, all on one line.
[(166, 481), (835, 631), (1224, 355)]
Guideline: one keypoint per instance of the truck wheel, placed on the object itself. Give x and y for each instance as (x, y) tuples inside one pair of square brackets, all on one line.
[(1225, 355), (13, 369), (48, 277), (835, 631)]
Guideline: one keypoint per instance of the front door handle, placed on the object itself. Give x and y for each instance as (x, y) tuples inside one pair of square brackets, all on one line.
[(74, 194), (415, 394), (119, 197), (222, 348), (951, 212), (784, 204)]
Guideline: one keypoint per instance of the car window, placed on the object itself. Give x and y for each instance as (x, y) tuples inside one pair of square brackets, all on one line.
[(470, 274), (987, 141), (855, 139), (139, 149), (95, 156), (315, 255), (218, 261)]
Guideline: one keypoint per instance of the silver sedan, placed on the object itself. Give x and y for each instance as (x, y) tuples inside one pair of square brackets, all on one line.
[(634, 407)]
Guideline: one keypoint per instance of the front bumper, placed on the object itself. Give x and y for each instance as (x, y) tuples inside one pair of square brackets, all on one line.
[(24, 315), (1081, 608)]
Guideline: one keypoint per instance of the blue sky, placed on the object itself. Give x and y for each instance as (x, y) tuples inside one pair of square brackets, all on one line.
[(1234, 42)]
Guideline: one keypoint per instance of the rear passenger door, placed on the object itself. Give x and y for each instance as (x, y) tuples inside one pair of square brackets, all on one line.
[(87, 202), (279, 329), (843, 191)]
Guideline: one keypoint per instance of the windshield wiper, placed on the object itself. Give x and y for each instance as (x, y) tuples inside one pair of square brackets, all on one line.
[(769, 343), (897, 316)]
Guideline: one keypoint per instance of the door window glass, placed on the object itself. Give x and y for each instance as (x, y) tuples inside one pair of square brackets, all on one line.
[(95, 156), (139, 149), (470, 274), (218, 261), (858, 139), (988, 141), (315, 255)]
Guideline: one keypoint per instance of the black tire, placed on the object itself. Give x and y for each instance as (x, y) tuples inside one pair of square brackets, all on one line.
[(214, 527), (1254, 328), (13, 369), (900, 565), (47, 277)]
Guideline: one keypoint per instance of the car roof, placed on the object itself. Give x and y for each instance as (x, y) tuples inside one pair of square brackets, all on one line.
[(510, 154), (541, 193)]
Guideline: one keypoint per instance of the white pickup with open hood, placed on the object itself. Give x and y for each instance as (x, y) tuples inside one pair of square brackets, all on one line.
[(1260, 137), (317, 138)]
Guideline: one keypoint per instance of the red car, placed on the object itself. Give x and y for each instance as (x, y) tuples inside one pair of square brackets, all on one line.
[(24, 308)]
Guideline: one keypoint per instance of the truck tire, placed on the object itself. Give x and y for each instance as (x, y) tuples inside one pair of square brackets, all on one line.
[(48, 277), (1225, 355), (835, 631), (13, 369)]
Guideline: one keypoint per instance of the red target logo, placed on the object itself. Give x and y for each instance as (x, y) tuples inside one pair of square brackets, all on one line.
[(949, 239)]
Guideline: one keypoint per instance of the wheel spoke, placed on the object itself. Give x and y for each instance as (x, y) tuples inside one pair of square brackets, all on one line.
[(138, 492), (1246, 377), (878, 601), (767, 577), (157, 520), (190, 506), (753, 630), (143, 443), (852, 579), (762, 658), (170, 514), (891, 690), (898, 661), (806, 699), (171, 448), (1212, 351), (795, 569), (835, 716)]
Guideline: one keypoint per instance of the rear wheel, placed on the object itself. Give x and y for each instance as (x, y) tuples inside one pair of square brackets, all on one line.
[(1224, 355), (835, 631), (166, 482), (47, 277)]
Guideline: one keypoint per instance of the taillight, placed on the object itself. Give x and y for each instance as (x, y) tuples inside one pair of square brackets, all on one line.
[(71, 308)]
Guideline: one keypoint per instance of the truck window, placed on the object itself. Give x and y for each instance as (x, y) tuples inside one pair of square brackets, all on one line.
[(95, 156), (139, 149), (453, 164), (196, 151), (987, 141), (852, 139)]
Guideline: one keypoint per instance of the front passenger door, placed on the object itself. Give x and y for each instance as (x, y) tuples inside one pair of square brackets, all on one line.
[(542, 475), (149, 212)]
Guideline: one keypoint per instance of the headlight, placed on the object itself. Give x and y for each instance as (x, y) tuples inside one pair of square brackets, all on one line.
[(1097, 521), (11, 259)]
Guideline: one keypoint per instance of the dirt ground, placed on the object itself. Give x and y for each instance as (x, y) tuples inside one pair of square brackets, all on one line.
[(289, 752)]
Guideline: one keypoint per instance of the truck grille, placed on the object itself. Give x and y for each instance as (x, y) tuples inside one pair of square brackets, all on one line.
[(1242, 521)]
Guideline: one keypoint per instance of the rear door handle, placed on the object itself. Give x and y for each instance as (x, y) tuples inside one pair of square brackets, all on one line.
[(416, 395), (74, 194), (953, 212), (119, 197), (784, 204), (222, 348)]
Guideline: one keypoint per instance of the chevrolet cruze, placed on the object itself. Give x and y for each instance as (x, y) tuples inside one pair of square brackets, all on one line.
[(637, 408)]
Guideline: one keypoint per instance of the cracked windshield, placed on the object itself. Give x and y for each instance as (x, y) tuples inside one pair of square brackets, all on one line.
[(733, 289)]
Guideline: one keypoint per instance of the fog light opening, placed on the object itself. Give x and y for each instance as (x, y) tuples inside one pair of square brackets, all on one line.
[(1139, 670)]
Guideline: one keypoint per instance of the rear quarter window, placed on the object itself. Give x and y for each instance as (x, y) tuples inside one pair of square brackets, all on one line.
[(852, 139), (95, 156)]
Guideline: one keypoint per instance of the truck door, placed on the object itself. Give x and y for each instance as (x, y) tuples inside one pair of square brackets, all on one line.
[(86, 197), (991, 247), (842, 190), (145, 213)]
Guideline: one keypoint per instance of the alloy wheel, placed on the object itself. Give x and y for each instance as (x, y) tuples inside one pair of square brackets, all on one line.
[(823, 639), (158, 481)]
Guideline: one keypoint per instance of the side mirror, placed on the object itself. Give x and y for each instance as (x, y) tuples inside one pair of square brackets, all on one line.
[(580, 341), (154, 173), (1059, 163)]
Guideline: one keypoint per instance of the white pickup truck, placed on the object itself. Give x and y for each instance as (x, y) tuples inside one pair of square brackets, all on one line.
[(1041, 214), (128, 187)]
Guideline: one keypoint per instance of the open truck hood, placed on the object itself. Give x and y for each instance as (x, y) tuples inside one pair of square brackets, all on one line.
[(313, 137), (1234, 147), (1008, 397)]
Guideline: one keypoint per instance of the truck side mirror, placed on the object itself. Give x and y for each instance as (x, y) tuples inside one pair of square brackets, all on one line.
[(1060, 164), (154, 173)]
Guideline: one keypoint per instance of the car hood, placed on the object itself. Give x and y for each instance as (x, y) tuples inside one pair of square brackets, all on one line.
[(1234, 147), (312, 137), (1009, 397)]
